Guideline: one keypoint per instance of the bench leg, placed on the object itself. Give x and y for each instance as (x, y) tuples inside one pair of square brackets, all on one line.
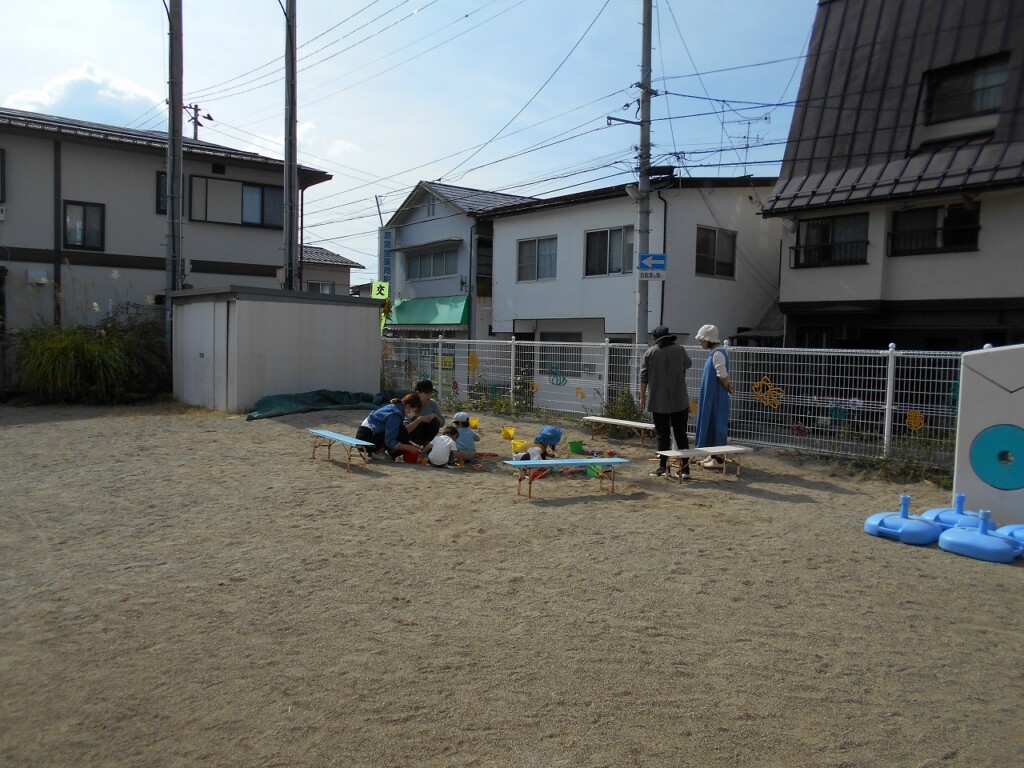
[(322, 442)]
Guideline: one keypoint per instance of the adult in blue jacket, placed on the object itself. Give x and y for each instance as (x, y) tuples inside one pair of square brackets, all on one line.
[(715, 389), (385, 427)]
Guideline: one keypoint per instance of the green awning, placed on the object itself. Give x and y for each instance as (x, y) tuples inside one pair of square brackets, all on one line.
[(438, 310)]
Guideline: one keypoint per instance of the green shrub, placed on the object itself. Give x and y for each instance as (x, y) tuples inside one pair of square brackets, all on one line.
[(113, 362), (621, 405)]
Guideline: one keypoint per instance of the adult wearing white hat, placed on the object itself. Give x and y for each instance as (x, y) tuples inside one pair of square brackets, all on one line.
[(715, 389)]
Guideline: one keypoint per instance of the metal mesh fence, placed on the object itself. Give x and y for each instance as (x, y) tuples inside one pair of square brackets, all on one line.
[(870, 403)]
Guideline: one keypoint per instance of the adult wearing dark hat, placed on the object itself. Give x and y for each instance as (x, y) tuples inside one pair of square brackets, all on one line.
[(425, 426), (663, 393)]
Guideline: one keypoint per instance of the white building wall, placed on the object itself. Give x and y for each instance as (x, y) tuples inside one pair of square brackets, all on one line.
[(609, 302), (856, 282), (692, 300), (996, 269), (417, 228)]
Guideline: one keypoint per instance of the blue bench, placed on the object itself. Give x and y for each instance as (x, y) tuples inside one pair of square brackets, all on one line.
[(527, 464), (325, 438)]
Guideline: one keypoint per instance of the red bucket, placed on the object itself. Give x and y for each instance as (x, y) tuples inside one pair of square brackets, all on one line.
[(410, 458)]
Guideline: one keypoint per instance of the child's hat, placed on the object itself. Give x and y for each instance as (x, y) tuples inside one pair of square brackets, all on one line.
[(461, 416), (549, 436)]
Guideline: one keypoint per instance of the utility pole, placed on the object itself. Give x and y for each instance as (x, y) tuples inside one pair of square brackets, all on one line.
[(291, 162), (643, 235), (174, 163), (193, 110)]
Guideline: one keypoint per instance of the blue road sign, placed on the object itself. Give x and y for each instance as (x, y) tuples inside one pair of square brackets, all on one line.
[(653, 262)]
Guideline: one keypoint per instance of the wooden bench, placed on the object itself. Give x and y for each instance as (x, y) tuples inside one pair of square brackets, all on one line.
[(324, 438), (726, 451), (640, 427), (528, 464)]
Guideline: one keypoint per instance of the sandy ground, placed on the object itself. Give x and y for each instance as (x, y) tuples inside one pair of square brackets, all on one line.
[(183, 588)]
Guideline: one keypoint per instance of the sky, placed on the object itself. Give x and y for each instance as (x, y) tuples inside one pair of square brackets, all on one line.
[(504, 95)]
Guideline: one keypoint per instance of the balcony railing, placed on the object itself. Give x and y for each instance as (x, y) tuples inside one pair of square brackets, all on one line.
[(948, 239), (829, 255)]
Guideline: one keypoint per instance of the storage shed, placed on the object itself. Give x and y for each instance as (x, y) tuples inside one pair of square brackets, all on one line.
[(236, 344)]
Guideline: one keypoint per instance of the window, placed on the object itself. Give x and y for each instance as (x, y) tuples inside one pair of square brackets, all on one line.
[(537, 259), (934, 230), (161, 192), (83, 225), (431, 208), (3, 170), (233, 202), (716, 252), (965, 90), (422, 266), (609, 251), (319, 286), (566, 359), (835, 241), (263, 206)]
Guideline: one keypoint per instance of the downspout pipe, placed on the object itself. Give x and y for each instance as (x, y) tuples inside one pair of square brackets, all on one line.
[(664, 249)]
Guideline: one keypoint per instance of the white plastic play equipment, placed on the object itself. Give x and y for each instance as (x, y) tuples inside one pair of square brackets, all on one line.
[(989, 466)]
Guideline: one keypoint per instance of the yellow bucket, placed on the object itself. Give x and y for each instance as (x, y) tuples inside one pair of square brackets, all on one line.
[(507, 433), (474, 422), (518, 445)]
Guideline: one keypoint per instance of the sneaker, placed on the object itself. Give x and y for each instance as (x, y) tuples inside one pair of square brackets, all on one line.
[(659, 472), (686, 475), (710, 463)]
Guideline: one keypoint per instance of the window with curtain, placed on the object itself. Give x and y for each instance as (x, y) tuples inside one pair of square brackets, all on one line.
[(609, 251), (716, 252), (966, 90), (83, 225), (422, 266), (537, 259)]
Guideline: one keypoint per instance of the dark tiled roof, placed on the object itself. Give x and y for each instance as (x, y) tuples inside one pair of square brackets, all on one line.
[(82, 130), (853, 140), (472, 200), (312, 254)]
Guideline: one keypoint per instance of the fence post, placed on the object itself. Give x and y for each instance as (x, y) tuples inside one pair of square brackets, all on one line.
[(512, 378), (890, 400), (437, 377), (607, 368)]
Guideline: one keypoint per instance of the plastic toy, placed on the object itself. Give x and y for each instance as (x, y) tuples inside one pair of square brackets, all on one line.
[(982, 543), (956, 516), (910, 529), (1015, 531)]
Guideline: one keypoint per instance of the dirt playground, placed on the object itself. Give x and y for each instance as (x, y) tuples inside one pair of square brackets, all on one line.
[(185, 588)]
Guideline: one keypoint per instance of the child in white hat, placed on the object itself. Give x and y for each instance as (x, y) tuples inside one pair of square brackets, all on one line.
[(465, 443)]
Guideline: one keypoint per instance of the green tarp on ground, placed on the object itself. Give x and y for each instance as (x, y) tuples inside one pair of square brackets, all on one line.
[(321, 400)]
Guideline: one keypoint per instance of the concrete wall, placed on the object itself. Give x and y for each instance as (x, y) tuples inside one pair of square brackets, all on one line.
[(234, 345)]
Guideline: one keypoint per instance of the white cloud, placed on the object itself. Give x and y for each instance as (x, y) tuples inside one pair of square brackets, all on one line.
[(89, 93)]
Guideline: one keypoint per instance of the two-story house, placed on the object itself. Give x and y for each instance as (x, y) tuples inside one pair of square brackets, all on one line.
[(565, 267), (903, 179), (326, 272), (435, 251), (83, 217)]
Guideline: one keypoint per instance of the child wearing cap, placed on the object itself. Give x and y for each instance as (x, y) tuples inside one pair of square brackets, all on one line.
[(543, 445), (440, 451), (465, 443)]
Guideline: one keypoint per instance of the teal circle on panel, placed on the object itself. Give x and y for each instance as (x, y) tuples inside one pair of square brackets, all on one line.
[(997, 456)]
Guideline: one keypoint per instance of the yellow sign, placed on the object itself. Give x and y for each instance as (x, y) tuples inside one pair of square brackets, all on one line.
[(379, 290)]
